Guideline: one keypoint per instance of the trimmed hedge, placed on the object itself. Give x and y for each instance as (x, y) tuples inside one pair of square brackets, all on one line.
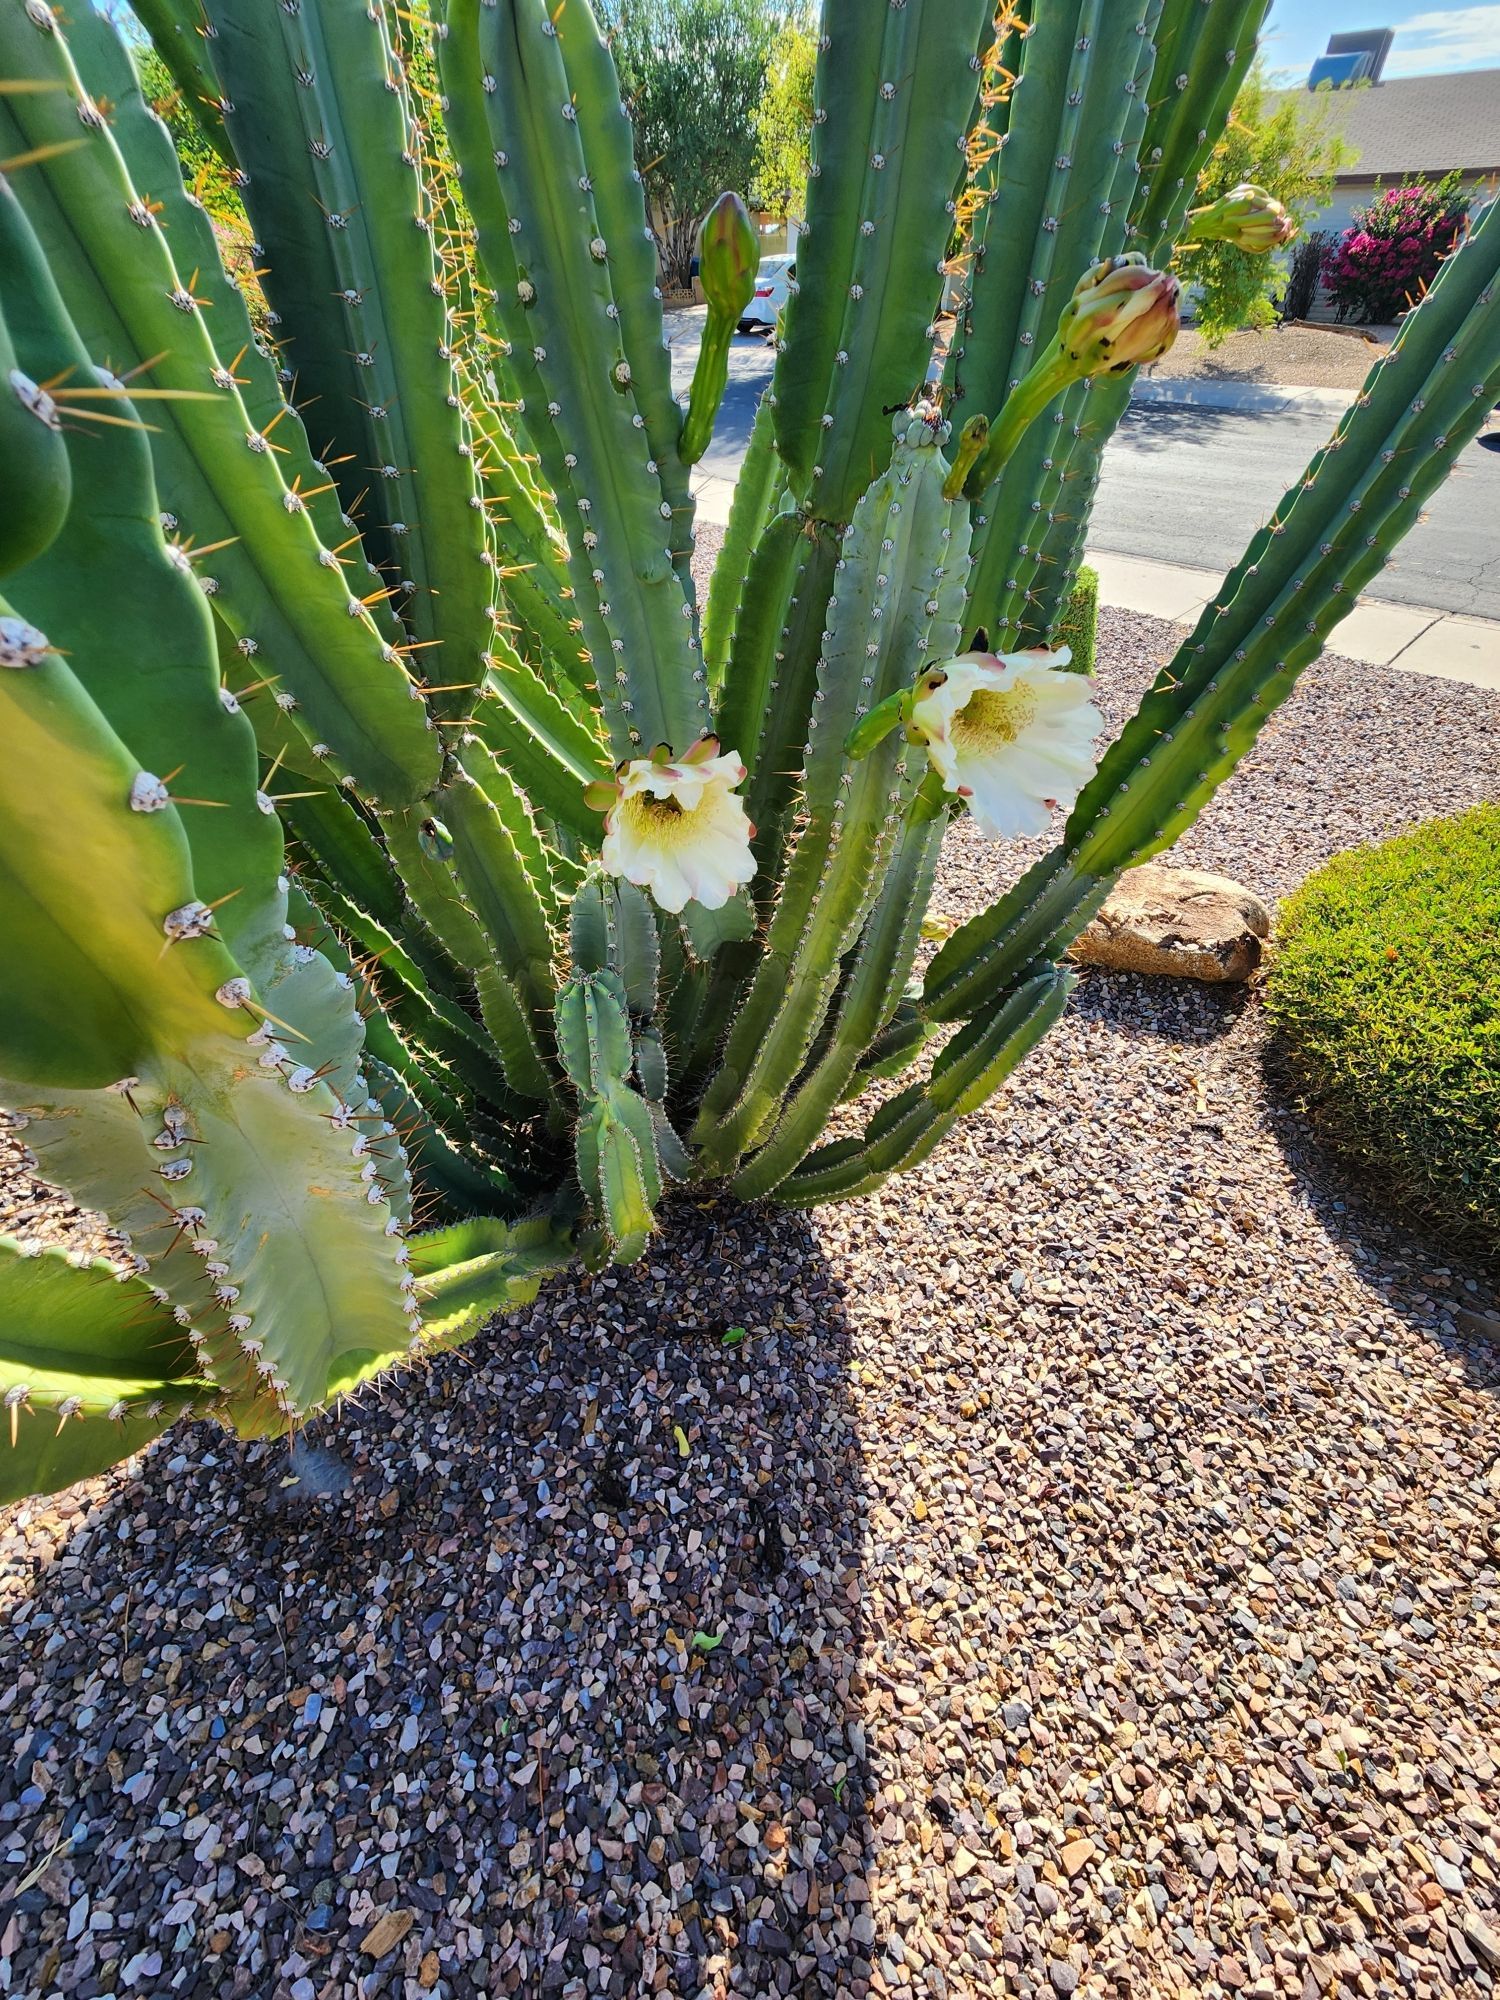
[(1386, 985), (1078, 626)]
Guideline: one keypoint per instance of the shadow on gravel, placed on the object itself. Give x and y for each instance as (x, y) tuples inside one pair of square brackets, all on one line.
[(543, 1677), (1422, 1276)]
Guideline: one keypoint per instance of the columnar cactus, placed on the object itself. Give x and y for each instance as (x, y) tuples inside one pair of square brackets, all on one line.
[(405, 880)]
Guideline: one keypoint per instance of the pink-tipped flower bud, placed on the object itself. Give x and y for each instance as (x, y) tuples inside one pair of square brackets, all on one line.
[(1247, 217), (728, 256), (1121, 312)]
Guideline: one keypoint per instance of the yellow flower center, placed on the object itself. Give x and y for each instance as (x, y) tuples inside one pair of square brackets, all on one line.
[(645, 817), (992, 717)]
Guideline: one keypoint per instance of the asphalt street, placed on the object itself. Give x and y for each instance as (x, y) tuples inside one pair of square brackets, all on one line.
[(1190, 486)]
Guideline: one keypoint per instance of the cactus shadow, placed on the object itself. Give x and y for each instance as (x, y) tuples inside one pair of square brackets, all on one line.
[(1152, 1007), (1449, 1292), (553, 1648)]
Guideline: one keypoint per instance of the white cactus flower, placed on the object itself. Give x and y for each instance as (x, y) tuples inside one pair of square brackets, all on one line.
[(1011, 733), (677, 828)]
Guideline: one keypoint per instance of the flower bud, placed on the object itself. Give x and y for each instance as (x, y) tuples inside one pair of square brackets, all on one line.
[(728, 256), (1121, 312), (1247, 217)]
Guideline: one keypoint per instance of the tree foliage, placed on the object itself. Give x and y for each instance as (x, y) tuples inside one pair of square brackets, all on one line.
[(1390, 253), (693, 73), (783, 124), (1280, 143)]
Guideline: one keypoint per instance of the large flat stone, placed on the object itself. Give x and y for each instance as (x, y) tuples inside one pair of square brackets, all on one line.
[(1182, 922)]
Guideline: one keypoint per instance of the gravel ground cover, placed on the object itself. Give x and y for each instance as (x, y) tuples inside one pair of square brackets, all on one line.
[(1081, 1577), (1303, 357)]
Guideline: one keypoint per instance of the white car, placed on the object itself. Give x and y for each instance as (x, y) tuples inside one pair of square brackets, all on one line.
[(773, 287)]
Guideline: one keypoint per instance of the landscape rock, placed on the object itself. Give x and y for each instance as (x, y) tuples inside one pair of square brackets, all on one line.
[(1181, 922)]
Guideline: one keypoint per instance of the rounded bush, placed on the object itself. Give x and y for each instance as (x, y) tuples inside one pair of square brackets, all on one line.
[(1386, 985)]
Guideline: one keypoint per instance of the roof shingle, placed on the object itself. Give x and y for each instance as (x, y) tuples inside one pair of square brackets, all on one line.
[(1417, 124)]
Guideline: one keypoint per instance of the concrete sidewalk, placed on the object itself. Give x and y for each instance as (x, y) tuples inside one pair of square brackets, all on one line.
[(1199, 392), (1377, 632)]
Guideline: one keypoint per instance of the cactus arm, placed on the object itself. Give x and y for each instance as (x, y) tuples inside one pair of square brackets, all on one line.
[(99, 996), (170, 707), (906, 560), (499, 859), (881, 966), (1211, 46), (752, 684), (480, 1265), (918, 119), (439, 897), (542, 741), (905, 1131), (893, 1050), (757, 496), (441, 1029), (846, 90), (615, 1138), (36, 343), (557, 303), (92, 1367), (1204, 52), (441, 1171), (131, 303), (620, 210), (331, 151), (1302, 573), (177, 28), (91, 986), (1081, 94), (892, 110)]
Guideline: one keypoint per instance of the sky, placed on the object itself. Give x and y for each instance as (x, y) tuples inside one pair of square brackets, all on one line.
[(1428, 39)]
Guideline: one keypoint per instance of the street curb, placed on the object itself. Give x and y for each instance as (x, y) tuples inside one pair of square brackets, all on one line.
[(1248, 398)]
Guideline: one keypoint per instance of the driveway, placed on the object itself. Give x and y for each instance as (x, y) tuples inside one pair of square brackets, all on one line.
[(1188, 485)]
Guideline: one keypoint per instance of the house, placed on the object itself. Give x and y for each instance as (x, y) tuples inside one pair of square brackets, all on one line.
[(1402, 126)]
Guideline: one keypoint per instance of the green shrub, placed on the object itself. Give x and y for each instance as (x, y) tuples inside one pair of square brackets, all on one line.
[(1078, 626), (1385, 985)]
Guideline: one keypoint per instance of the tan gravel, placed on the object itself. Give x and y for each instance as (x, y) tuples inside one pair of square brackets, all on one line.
[(1302, 357), (1082, 1577)]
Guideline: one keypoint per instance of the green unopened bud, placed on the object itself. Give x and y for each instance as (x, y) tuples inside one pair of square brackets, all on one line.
[(1121, 313), (728, 256), (1248, 218)]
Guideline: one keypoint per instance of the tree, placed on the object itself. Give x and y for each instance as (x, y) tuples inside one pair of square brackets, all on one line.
[(783, 123), (1275, 142), (693, 72)]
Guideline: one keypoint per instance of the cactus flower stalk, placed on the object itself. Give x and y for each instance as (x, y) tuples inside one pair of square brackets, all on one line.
[(1247, 218), (1121, 313), (728, 257)]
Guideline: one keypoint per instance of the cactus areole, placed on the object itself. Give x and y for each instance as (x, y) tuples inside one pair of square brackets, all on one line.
[(443, 879)]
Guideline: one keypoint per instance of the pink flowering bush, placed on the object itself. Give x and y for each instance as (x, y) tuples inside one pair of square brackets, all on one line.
[(1390, 253)]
